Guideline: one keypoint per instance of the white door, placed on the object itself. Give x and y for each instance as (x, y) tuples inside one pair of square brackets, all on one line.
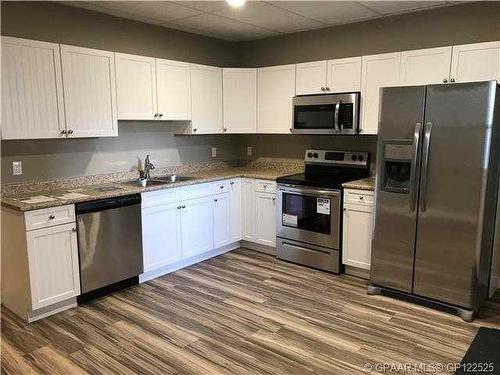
[(344, 75), (265, 218), (53, 264), (357, 236), (160, 235), (32, 100), (240, 100), (206, 99), (248, 209), (135, 87), (476, 62), (377, 71), (222, 219), (235, 212), (311, 78), (173, 82), (89, 92), (275, 90), (196, 226), (425, 66)]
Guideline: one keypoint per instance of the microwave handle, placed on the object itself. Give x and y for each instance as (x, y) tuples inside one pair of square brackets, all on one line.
[(336, 116)]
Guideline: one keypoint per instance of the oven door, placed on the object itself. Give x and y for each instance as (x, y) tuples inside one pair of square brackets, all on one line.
[(326, 114), (309, 215)]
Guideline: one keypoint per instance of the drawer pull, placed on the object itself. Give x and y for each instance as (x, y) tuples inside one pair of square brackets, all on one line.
[(222, 186), (51, 217), (361, 198)]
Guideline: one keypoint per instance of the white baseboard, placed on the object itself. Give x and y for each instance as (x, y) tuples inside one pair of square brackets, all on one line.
[(153, 274), (51, 310)]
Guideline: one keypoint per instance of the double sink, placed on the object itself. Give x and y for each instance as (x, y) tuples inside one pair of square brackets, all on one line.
[(161, 180)]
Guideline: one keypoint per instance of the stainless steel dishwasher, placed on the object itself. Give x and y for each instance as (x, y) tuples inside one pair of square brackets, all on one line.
[(109, 242)]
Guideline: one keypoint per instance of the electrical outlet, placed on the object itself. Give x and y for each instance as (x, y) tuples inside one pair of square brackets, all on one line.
[(214, 152), (249, 150), (17, 168)]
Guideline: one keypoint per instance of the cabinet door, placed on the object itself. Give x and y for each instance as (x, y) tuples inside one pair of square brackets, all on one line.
[(196, 226), (240, 100), (476, 62), (248, 208), (275, 90), (53, 264), (222, 220), (311, 78), (160, 235), (206, 96), (235, 212), (32, 100), (344, 75), (425, 66), (135, 87), (265, 217), (377, 71), (357, 236), (89, 91), (174, 90)]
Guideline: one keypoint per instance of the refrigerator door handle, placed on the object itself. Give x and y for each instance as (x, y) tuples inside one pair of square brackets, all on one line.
[(423, 185), (414, 164)]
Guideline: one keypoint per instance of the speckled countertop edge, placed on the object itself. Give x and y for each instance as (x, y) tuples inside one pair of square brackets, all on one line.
[(363, 184)]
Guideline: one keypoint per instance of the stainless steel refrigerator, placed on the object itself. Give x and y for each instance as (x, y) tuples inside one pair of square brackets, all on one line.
[(437, 180)]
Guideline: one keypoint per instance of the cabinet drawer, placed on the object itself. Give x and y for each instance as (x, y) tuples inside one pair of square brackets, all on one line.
[(195, 191), (49, 217), (158, 198), (220, 187), (364, 197), (265, 186)]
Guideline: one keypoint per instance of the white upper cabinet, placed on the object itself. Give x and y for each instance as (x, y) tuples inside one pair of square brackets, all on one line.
[(206, 99), (344, 75), (32, 100), (135, 87), (174, 90), (311, 78), (240, 100), (377, 71), (425, 66), (89, 91), (275, 90), (476, 62)]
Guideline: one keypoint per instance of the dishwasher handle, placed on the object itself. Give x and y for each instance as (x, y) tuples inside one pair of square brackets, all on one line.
[(107, 203)]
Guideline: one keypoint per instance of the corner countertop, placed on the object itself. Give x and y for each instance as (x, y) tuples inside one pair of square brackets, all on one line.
[(363, 184), (90, 192)]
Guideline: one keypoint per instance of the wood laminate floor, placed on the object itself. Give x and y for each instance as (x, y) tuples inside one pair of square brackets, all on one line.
[(239, 313)]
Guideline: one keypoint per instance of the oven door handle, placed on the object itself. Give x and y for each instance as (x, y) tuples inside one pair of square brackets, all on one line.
[(315, 192)]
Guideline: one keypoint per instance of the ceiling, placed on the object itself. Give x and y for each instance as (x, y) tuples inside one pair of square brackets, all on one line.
[(256, 19)]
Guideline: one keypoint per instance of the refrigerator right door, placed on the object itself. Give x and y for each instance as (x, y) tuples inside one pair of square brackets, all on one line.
[(455, 154)]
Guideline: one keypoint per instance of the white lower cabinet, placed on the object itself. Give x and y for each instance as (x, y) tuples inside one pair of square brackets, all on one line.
[(222, 229), (357, 228), (235, 210), (196, 226), (248, 209), (160, 235), (265, 218)]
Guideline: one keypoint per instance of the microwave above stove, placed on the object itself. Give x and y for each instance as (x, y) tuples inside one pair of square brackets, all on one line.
[(326, 114)]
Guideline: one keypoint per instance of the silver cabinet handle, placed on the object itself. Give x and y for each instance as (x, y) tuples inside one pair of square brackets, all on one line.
[(179, 207), (361, 198), (425, 166), (156, 115), (327, 88), (63, 132), (70, 131), (232, 183), (183, 207), (51, 217), (323, 89), (225, 130), (194, 130), (161, 114), (452, 80), (215, 200), (222, 186), (445, 80), (414, 164), (74, 229)]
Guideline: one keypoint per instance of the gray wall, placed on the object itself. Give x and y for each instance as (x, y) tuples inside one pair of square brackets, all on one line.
[(64, 24), (459, 24)]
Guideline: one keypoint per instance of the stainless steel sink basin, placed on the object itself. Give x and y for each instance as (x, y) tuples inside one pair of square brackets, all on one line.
[(161, 180)]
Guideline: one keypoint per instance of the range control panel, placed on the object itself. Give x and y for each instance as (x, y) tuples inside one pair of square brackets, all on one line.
[(341, 158)]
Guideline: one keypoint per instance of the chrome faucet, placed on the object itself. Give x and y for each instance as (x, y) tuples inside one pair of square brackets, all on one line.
[(148, 167)]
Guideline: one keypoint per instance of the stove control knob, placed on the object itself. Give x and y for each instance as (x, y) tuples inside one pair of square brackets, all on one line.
[(315, 155), (309, 155), (354, 157), (361, 158)]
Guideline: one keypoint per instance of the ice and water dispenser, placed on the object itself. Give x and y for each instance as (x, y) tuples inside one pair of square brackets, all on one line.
[(397, 158)]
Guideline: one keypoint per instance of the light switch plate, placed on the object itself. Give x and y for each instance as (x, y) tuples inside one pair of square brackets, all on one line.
[(214, 152), (17, 168)]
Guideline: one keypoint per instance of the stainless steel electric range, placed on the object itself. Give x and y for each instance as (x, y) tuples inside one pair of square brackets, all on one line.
[(309, 220)]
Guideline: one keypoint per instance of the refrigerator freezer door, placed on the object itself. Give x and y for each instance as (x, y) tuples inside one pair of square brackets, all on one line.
[(455, 164), (399, 144)]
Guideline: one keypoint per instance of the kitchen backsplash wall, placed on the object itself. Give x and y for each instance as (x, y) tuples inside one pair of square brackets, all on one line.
[(470, 22)]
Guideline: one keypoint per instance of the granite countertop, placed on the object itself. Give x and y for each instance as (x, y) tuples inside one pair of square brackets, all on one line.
[(75, 193), (363, 184)]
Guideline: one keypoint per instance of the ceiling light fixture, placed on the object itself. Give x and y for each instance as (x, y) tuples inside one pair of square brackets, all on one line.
[(236, 3)]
